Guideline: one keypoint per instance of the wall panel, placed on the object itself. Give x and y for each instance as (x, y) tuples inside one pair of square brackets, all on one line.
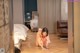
[(4, 25), (18, 17), (76, 27), (1, 13)]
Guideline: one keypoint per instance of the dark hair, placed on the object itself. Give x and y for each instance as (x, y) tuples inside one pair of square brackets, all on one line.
[(45, 30)]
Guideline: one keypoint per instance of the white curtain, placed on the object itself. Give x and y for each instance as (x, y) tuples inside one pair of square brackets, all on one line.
[(49, 13)]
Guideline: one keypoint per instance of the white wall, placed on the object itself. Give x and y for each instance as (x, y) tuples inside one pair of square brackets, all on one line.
[(64, 10), (18, 16)]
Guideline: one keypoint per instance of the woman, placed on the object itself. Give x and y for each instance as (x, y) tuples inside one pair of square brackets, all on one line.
[(45, 37), (42, 38)]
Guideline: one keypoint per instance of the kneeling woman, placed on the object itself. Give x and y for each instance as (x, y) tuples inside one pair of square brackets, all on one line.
[(44, 39)]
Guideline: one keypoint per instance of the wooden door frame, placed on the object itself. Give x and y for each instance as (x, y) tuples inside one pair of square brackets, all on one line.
[(70, 27)]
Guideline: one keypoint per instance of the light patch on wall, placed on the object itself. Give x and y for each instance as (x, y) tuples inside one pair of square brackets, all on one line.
[(66, 7), (64, 10)]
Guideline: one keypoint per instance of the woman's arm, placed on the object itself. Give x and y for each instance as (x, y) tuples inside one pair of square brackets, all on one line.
[(48, 41)]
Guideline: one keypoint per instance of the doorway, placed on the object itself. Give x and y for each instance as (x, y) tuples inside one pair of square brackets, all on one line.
[(31, 33)]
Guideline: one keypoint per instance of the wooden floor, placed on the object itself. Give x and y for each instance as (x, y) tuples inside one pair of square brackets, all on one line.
[(57, 45)]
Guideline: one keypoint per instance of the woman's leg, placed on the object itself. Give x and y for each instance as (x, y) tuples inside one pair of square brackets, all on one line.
[(41, 45), (46, 44)]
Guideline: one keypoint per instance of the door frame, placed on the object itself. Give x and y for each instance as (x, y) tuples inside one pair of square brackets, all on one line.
[(70, 26)]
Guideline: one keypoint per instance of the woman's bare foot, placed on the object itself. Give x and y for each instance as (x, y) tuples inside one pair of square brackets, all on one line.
[(43, 48)]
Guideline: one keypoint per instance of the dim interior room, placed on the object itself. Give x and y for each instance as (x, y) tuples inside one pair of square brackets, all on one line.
[(30, 15), (22, 25)]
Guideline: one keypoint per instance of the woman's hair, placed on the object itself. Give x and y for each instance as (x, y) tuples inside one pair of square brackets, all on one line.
[(45, 30)]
